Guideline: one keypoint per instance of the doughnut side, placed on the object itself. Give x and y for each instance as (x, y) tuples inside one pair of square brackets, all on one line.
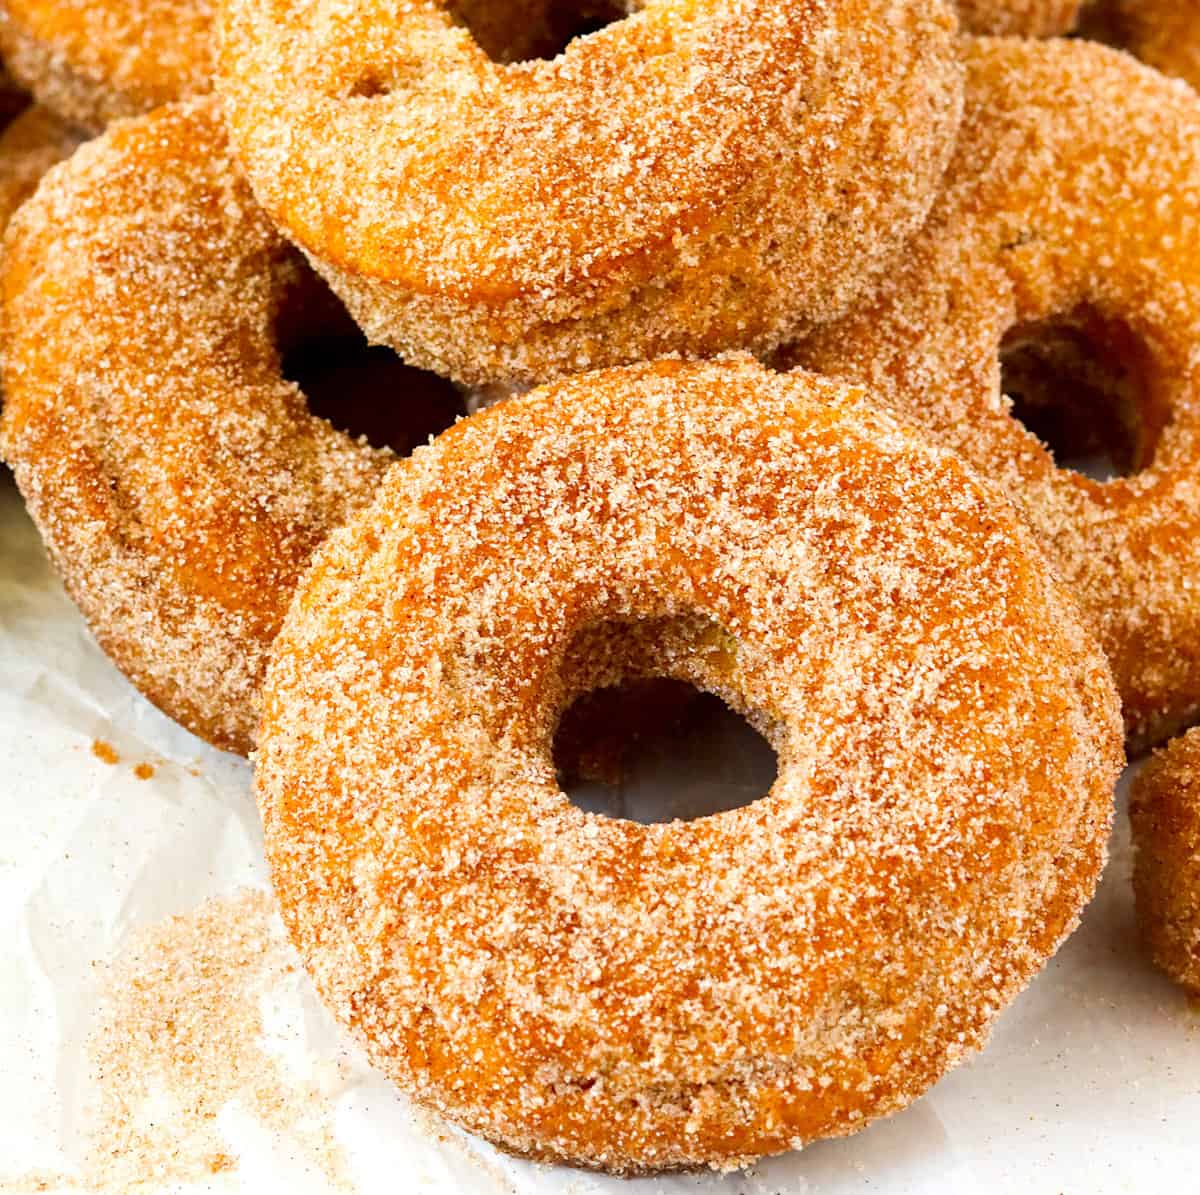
[(1164, 812), (1165, 34), (29, 146), (1019, 18), (179, 481)]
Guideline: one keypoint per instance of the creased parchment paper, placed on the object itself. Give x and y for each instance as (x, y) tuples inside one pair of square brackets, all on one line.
[(1091, 1082)]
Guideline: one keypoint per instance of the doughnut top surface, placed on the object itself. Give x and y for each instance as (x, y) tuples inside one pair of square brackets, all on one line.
[(643, 997)]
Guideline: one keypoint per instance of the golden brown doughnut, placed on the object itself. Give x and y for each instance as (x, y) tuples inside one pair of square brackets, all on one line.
[(92, 61), (693, 177), (1164, 812), (1163, 33), (1068, 242), (642, 997), (29, 146), (1022, 18), (180, 482)]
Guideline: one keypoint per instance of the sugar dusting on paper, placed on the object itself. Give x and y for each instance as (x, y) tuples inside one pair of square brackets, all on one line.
[(179, 1035)]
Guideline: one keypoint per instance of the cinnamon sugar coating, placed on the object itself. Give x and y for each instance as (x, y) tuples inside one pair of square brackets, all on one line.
[(1069, 228), (1163, 33), (696, 176), (643, 997), (92, 61), (178, 480), (1019, 18), (1164, 812)]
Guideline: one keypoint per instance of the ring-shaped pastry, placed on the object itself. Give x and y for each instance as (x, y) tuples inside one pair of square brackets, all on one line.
[(645, 997), (179, 479), (1062, 265), (1164, 815), (93, 61)]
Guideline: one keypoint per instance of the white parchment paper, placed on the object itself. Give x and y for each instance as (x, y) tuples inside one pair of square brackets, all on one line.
[(1091, 1082)]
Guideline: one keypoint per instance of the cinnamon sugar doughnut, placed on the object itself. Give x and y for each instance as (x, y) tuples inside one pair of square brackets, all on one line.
[(180, 482), (1020, 18), (92, 61), (1067, 241), (1164, 812), (1163, 33), (641, 997), (29, 146), (690, 178)]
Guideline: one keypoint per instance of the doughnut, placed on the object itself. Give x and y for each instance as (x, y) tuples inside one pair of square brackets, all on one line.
[(635, 997), (1163, 33), (1164, 812), (1019, 18), (684, 180), (32, 143), (180, 481), (92, 61), (1061, 268)]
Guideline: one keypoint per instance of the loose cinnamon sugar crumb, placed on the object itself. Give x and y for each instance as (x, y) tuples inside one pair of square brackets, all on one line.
[(179, 1036), (144, 771), (105, 752)]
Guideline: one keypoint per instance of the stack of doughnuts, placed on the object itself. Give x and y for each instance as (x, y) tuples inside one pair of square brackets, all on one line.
[(777, 320)]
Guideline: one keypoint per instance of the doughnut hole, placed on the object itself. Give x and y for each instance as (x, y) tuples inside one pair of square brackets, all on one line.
[(642, 736), (523, 30), (659, 750), (1086, 386), (363, 390)]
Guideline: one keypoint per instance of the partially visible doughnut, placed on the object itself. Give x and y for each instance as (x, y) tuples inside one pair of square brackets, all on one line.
[(1164, 813), (29, 146), (693, 177), (1163, 33), (1019, 18), (92, 61), (1067, 239), (644, 997), (179, 481)]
